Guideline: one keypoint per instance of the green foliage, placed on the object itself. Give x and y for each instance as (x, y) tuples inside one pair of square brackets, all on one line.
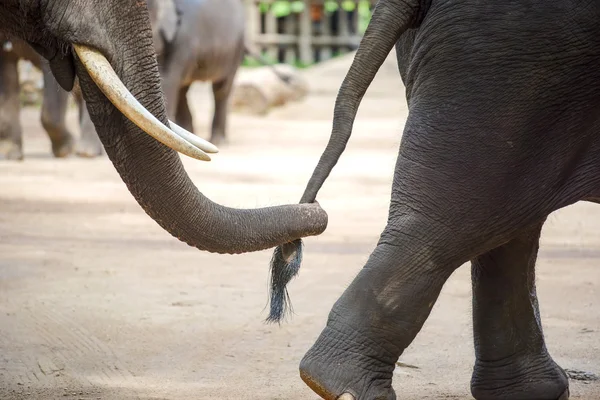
[(364, 16), (250, 62), (283, 8)]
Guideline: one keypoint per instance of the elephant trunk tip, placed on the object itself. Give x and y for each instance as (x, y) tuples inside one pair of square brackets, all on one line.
[(285, 265)]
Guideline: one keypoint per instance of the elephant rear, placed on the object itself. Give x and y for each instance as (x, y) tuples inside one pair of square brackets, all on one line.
[(213, 31)]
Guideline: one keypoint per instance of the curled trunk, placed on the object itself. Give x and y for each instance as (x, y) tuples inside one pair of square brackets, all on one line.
[(155, 176), (121, 31)]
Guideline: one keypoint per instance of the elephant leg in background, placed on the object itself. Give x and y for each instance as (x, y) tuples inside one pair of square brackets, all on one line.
[(221, 93), (54, 110), (512, 361), (184, 115), (89, 144), (11, 140), (172, 76)]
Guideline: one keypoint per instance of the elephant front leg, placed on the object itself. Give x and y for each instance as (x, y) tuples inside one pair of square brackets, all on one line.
[(512, 362), (11, 141), (377, 317)]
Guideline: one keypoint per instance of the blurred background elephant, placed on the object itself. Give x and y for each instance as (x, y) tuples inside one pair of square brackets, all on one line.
[(53, 107), (55, 99), (196, 40), (205, 44)]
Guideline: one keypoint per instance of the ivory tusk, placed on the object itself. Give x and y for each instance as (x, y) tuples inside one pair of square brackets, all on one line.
[(109, 83), (193, 139), (346, 396)]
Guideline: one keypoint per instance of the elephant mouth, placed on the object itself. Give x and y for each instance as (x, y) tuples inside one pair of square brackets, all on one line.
[(114, 89)]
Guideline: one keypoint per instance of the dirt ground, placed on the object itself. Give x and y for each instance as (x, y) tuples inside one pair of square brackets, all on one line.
[(98, 302)]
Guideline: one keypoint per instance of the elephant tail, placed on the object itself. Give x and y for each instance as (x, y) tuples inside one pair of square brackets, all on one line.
[(389, 20), (258, 57)]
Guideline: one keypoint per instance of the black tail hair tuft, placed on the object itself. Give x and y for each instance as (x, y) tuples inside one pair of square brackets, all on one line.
[(285, 265)]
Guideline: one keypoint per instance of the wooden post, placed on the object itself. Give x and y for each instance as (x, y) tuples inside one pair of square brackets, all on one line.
[(297, 37), (355, 20), (252, 21), (305, 38), (344, 31), (291, 29), (271, 29), (325, 52)]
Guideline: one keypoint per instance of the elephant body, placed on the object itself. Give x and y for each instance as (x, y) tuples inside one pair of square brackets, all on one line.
[(208, 46)]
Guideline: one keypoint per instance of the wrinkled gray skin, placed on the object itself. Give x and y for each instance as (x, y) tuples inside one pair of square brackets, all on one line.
[(197, 40), (153, 173), (503, 129)]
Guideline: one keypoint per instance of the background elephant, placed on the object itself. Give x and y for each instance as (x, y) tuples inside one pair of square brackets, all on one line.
[(55, 99), (208, 46), (53, 108), (195, 40), (201, 40)]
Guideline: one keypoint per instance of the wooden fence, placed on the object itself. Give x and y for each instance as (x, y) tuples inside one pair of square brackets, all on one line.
[(313, 34)]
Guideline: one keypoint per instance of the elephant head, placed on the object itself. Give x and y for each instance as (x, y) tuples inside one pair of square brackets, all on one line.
[(119, 32)]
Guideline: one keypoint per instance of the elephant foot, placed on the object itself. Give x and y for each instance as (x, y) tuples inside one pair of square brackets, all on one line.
[(89, 149), (63, 148), (344, 365), (218, 140), (522, 378), (10, 150)]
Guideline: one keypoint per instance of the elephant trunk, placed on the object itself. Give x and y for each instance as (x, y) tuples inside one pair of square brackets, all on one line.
[(155, 176)]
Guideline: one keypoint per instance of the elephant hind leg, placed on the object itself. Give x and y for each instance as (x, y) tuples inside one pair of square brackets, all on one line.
[(54, 110), (89, 144), (11, 141), (221, 93), (512, 361), (184, 115)]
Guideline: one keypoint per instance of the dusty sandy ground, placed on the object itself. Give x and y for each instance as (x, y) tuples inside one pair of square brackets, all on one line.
[(98, 302)]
